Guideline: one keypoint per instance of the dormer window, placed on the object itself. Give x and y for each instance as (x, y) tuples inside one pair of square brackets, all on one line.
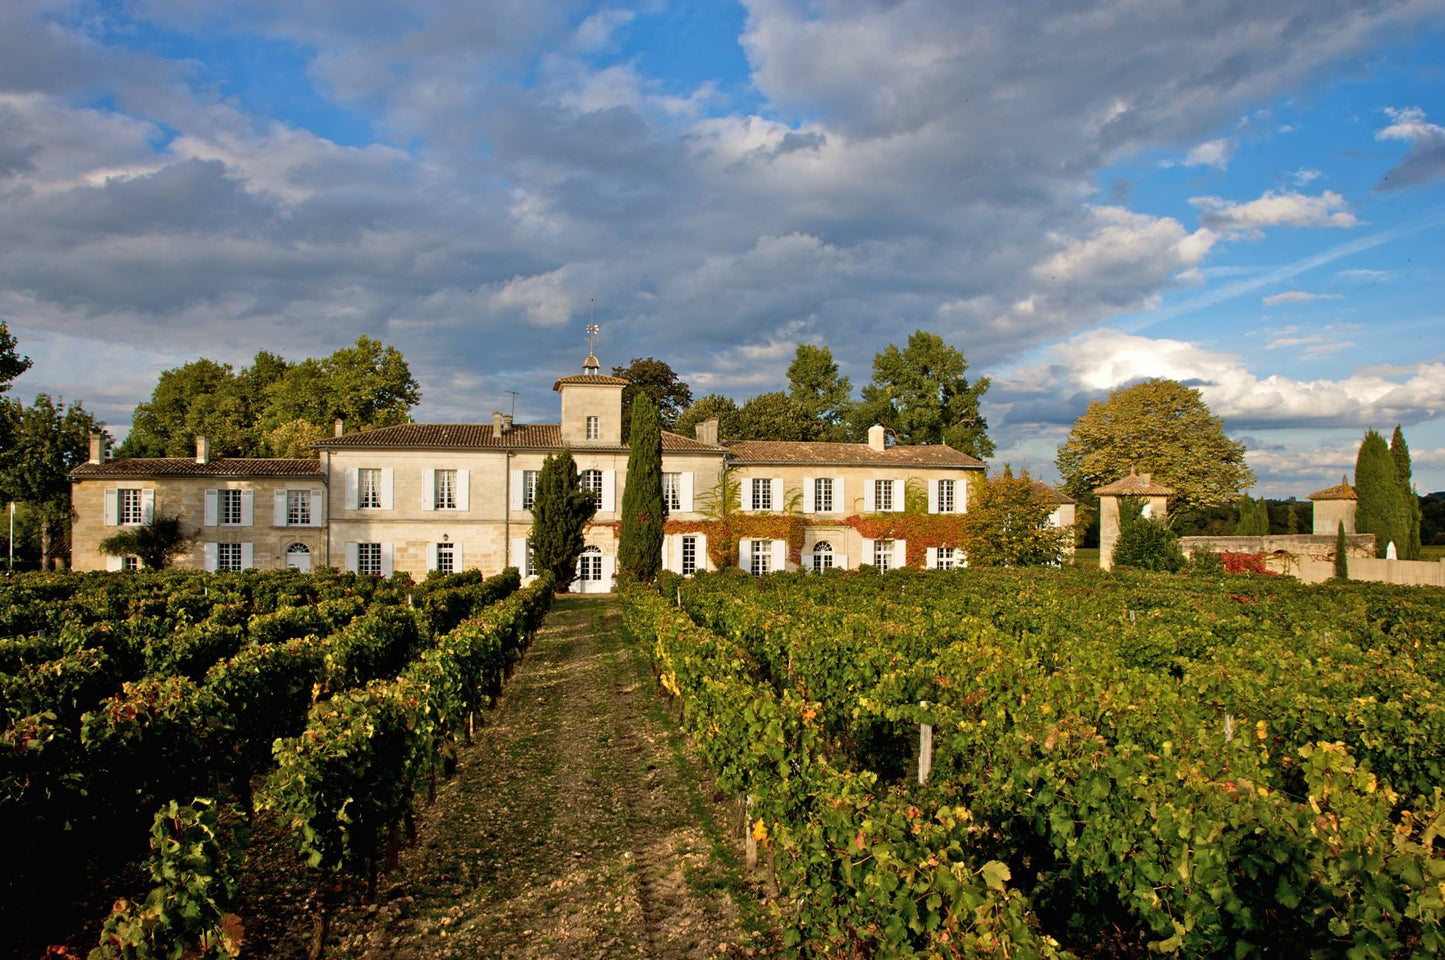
[(594, 429)]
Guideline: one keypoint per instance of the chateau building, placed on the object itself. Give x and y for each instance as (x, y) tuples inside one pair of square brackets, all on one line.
[(420, 497)]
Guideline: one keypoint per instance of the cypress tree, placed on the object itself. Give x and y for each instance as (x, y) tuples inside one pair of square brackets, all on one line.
[(639, 545), (1381, 509), (1342, 554), (560, 511), (1400, 453)]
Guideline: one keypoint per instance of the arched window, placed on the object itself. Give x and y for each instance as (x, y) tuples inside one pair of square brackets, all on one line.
[(298, 557), (589, 565), (298, 548), (822, 555), (592, 483)]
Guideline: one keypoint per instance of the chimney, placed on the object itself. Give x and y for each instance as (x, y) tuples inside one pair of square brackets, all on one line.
[(877, 437), (506, 423), (203, 450), (706, 432), (338, 429), (497, 430), (97, 448)]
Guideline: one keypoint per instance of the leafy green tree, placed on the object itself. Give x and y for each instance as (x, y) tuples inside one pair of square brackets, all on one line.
[(922, 395), (203, 398), (1007, 524), (820, 391), (1253, 518), (1145, 543), (1342, 554), (639, 544), (367, 384), (714, 406), (1400, 453), (1381, 509), (12, 364), (50, 440), (1163, 428), (656, 380), (157, 543), (774, 416), (561, 510)]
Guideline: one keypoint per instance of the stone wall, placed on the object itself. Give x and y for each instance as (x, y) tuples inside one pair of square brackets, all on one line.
[(1318, 546), (1311, 558)]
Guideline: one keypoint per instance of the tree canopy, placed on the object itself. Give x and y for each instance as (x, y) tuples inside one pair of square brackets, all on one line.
[(922, 395), (1400, 453), (714, 406), (560, 512), (1007, 524), (639, 543), (1381, 508), (1163, 428), (775, 416), (820, 391), (272, 407), (656, 380)]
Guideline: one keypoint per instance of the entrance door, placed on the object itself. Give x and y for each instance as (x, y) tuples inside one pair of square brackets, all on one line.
[(591, 578), (298, 557)]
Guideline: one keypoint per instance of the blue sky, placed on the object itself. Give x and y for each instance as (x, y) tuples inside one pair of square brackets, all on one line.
[(1249, 200)]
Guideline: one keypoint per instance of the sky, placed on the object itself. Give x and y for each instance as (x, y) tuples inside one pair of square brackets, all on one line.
[(1246, 197)]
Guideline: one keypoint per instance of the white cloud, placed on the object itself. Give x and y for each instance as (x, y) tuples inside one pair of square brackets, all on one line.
[(1274, 209), (1305, 176), (1426, 159), (1299, 296), (1409, 124), (1210, 153)]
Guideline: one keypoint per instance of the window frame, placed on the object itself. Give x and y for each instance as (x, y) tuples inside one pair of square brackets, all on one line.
[(594, 427), (444, 489), (762, 495), (883, 558), (672, 491), (368, 488), (820, 553), (760, 564), (130, 507), (229, 558), (529, 488), (882, 503), (584, 481), (446, 556), (298, 508), (130, 564), (366, 554), (230, 511), (948, 562), (947, 496), (822, 504), (687, 555)]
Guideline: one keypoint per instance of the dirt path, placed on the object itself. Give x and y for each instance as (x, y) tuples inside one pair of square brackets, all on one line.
[(576, 826)]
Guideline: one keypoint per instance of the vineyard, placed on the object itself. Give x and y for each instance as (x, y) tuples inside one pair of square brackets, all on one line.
[(1047, 764), (173, 709)]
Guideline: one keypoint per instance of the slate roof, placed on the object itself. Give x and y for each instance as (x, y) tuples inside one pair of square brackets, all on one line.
[(847, 454), (601, 378), (1052, 494), (1341, 491), (479, 436), (145, 467), (1135, 485)]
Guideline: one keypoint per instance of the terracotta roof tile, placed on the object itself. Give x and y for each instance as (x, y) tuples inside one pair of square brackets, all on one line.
[(594, 378), (237, 467), (1341, 491), (479, 436), (847, 454), (1135, 485)]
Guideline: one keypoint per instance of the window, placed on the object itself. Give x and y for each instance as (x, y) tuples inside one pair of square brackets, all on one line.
[(672, 491), (823, 495), (298, 508), (529, 488), (529, 562), (762, 498), (447, 557), (445, 496), (589, 565), (129, 509), (368, 488), (229, 507), (822, 555), (592, 483), (368, 558), (593, 430), (946, 499), (762, 560), (130, 564), (228, 557), (945, 554), (883, 554), (883, 495), (689, 556)]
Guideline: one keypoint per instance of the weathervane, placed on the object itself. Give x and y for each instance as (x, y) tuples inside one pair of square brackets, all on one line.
[(592, 331)]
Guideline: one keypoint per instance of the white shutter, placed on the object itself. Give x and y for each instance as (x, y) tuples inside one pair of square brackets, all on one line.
[(777, 483), (318, 506), (867, 552), (431, 557), (684, 494), (519, 555), (900, 554), (351, 558), (807, 563), (745, 555), (609, 570), (897, 496), (248, 508), (930, 561), (780, 554), (870, 496), (960, 495), (609, 491), (810, 502), (702, 563), (932, 497), (213, 510), (278, 509), (248, 556), (464, 492), (110, 506), (353, 489), (114, 564), (840, 505), (210, 553), (386, 560), (669, 552), (458, 560), (518, 478), (388, 478), (840, 561), (147, 506), (748, 500), (429, 493)]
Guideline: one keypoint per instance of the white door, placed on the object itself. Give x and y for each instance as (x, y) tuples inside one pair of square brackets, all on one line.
[(298, 557), (589, 572)]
